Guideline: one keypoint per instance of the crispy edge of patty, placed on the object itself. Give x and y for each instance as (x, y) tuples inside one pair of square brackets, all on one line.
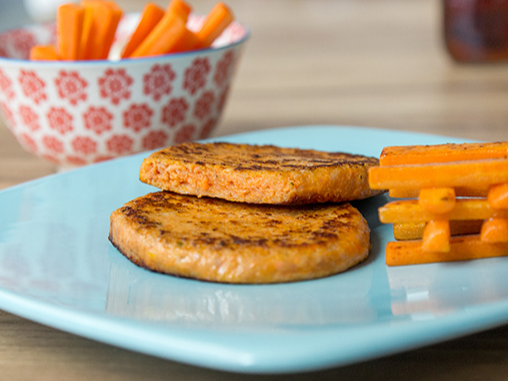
[(259, 174), (342, 244)]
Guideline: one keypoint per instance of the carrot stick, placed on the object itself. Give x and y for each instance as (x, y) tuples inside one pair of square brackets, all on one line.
[(480, 173), (459, 192), (462, 248), (411, 211), (216, 21), (150, 16), (414, 230), (115, 15), (99, 27), (69, 24), (420, 154), (187, 41), (408, 230), (437, 200), (43, 53), (163, 37), (89, 27), (436, 236), (179, 6), (498, 196), (495, 230)]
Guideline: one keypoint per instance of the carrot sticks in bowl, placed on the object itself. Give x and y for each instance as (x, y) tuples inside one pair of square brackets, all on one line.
[(163, 37), (69, 21), (87, 30), (217, 20), (150, 16), (101, 21)]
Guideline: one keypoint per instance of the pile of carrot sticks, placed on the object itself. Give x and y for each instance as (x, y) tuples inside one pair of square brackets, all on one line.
[(455, 203), (87, 30)]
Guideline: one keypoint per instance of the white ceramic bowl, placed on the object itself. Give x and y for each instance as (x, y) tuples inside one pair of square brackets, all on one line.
[(77, 113)]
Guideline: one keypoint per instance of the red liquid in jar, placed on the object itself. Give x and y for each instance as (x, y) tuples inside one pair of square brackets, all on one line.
[(476, 30)]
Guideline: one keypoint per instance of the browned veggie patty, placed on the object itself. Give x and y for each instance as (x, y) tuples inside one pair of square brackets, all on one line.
[(259, 174), (216, 240)]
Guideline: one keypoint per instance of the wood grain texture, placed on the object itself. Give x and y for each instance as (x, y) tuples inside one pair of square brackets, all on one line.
[(380, 64)]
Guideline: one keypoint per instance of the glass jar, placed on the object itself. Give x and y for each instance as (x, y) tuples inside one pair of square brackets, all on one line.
[(476, 30)]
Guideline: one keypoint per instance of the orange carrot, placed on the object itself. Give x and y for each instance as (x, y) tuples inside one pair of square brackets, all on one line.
[(187, 41), (495, 230), (179, 6), (436, 236), (115, 15), (408, 230), (151, 15), (459, 192), (414, 230), (215, 22), (99, 27), (411, 211), (69, 24), (479, 173), (440, 153), (462, 248), (498, 196), (163, 37), (43, 53), (89, 27), (437, 200)]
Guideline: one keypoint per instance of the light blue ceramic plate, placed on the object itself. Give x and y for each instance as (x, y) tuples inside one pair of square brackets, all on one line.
[(58, 268)]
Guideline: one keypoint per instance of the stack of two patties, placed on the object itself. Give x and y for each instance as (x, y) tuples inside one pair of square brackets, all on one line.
[(239, 213)]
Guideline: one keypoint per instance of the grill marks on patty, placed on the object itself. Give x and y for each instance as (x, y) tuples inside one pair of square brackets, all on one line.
[(259, 157), (263, 174), (216, 240)]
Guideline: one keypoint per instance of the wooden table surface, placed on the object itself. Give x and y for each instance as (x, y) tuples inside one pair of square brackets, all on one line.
[(366, 63)]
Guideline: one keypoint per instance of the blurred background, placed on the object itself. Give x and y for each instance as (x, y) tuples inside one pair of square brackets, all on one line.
[(376, 63)]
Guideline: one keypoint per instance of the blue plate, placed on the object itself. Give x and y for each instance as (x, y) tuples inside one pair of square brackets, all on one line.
[(58, 268)]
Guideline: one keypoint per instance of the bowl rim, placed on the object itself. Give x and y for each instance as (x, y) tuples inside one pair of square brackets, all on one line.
[(123, 61)]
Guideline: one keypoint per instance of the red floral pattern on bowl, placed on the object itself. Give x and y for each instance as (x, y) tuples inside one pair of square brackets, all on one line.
[(77, 113)]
